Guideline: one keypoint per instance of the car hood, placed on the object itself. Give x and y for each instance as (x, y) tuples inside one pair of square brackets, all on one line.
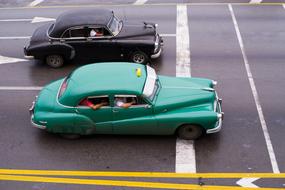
[(138, 31), (176, 93), (40, 35)]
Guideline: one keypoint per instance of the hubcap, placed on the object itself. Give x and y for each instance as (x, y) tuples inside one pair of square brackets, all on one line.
[(138, 58), (54, 60)]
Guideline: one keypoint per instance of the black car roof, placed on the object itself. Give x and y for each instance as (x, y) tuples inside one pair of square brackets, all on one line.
[(80, 17)]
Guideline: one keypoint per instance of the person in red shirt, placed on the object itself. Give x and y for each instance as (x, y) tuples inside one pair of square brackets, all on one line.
[(88, 103)]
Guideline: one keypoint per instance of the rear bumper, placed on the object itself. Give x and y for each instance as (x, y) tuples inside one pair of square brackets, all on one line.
[(26, 55), (31, 110), (35, 124)]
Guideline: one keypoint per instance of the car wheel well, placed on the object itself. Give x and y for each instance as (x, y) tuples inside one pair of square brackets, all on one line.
[(198, 126)]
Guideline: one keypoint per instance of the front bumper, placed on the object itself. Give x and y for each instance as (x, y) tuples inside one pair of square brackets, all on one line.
[(220, 115), (156, 55), (159, 43)]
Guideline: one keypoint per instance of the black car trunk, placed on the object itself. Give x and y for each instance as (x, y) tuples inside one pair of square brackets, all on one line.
[(40, 35)]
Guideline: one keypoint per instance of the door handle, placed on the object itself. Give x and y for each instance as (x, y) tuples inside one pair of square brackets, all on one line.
[(115, 111)]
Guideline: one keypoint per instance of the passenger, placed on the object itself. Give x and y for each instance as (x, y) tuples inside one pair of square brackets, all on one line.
[(96, 32), (87, 102), (122, 102)]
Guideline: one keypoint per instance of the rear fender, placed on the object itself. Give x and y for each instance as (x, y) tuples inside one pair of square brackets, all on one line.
[(42, 50)]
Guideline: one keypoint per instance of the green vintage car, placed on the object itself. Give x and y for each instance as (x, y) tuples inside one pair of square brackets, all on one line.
[(157, 105)]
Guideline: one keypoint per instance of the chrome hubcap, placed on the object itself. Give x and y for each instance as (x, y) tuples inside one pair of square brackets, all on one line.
[(54, 60), (138, 58)]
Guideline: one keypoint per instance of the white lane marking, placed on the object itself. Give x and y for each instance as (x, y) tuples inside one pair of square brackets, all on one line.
[(32, 20), (168, 35), (140, 2), (270, 149), (255, 1), (22, 88), (16, 20), (5, 60), (182, 43), (185, 156), (42, 19), (185, 151), (14, 37), (247, 182), (35, 3)]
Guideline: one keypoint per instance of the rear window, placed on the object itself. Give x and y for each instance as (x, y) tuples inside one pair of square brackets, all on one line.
[(78, 33), (64, 86)]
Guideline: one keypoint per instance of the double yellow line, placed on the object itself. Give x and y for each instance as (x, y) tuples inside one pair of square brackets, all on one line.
[(40, 176)]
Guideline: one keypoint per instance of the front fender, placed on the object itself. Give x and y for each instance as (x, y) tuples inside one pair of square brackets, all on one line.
[(170, 121)]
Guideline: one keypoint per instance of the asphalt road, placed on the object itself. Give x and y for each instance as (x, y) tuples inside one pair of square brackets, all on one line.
[(215, 53)]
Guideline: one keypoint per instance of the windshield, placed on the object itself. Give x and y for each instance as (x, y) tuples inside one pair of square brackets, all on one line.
[(115, 26), (151, 84)]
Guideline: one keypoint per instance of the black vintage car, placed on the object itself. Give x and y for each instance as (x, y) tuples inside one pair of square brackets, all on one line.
[(93, 33)]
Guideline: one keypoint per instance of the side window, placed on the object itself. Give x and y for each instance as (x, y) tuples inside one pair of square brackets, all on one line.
[(66, 34), (95, 100), (97, 32), (128, 100), (77, 33)]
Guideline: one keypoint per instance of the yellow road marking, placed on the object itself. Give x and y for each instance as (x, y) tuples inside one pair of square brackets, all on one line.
[(140, 174), (150, 4), (121, 183)]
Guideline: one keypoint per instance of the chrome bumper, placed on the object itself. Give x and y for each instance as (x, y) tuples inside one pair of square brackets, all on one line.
[(26, 55), (156, 55), (31, 110), (37, 125), (220, 115)]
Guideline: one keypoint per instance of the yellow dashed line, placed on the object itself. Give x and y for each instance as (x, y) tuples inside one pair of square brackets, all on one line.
[(140, 174), (120, 183)]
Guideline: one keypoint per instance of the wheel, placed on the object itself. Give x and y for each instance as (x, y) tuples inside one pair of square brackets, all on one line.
[(70, 136), (190, 132), (54, 61), (139, 57)]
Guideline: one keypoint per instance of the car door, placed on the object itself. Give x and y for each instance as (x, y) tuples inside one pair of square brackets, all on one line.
[(101, 118), (101, 44), (136, 119), (77, 38)]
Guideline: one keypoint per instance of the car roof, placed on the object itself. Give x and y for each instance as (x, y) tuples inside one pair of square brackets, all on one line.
[(80, 17), (103, 79)]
